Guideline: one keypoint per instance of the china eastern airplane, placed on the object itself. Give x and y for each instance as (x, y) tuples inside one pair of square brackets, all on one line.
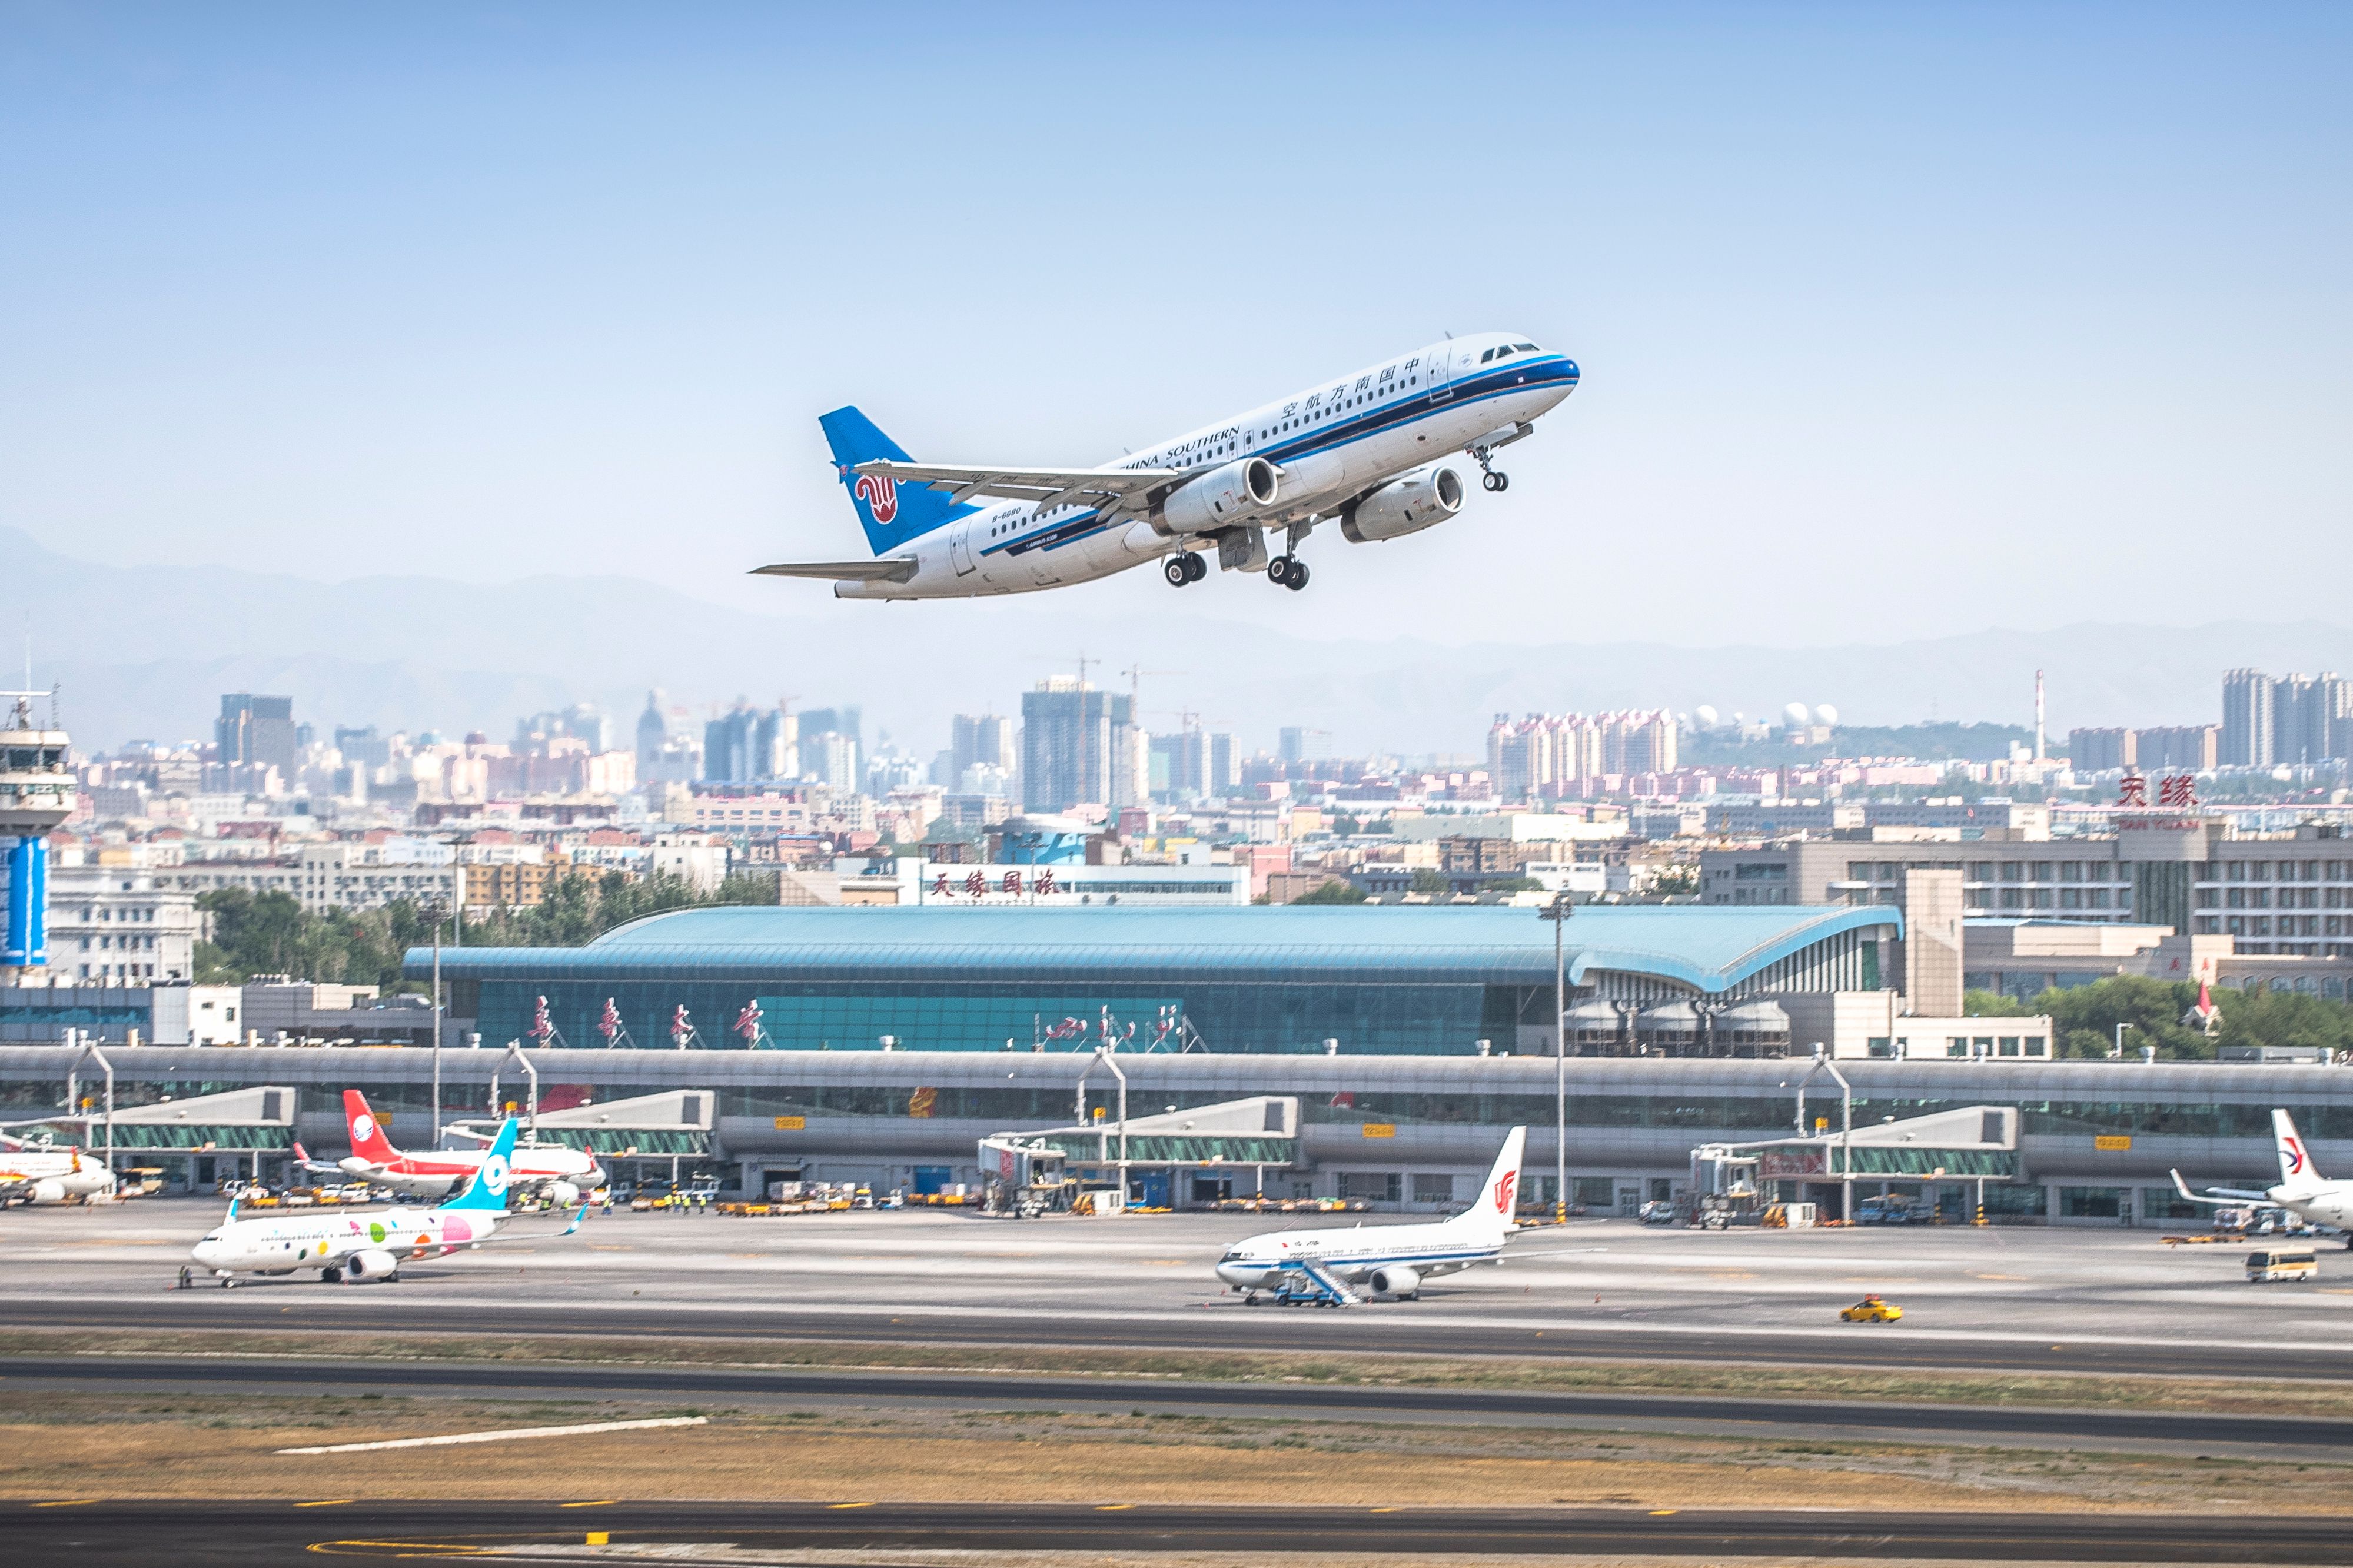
[(1327, 1267), (551, 1168), (2302, 1190), (1371, 450), (368, 1246)]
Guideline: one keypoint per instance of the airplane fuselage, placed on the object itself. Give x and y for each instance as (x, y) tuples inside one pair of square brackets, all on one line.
[(281, 1243), (1331, 444), (1359, 1254)]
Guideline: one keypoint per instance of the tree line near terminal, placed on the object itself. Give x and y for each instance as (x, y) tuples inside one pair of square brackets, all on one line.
[(270, 933), (2084, 1019)]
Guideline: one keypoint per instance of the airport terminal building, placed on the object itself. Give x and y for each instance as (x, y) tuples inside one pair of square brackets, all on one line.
[(1388, 1048)]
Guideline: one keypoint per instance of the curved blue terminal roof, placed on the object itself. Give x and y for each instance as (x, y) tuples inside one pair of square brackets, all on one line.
[(1709, 949)]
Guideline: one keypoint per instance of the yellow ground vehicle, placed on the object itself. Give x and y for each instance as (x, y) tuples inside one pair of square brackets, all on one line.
[(2290, 1263), (1872, 1309)]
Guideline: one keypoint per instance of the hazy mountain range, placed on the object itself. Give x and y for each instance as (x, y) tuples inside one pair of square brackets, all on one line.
[(146, 651)]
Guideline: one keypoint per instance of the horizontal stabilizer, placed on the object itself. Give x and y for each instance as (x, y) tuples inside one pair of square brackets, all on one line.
[(841, 571)]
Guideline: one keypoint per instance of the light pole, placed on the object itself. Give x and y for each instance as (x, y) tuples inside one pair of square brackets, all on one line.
[(1557, 912), (2118, 1053), (436, 911)]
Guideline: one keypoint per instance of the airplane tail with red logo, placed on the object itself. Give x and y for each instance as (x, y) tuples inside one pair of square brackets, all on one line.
[(1493, 1212), (2296, 1161), (893, 511), (368, 1140)]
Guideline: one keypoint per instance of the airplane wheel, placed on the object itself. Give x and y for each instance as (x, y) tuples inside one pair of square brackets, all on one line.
[(1503, 481), (1277, 571), (1250, 1300), (331, 1275), (1176, 571), (1298, 578), (1195, 566)]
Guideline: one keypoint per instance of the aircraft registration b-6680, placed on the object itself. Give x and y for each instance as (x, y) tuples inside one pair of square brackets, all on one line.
[(1368, 450)]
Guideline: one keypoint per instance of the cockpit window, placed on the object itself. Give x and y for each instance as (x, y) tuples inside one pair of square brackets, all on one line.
[(1485, 357), (1524, 348), (1234, 1256)]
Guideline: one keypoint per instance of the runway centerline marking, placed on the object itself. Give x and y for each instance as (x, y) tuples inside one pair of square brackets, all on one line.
[(325, 1502)]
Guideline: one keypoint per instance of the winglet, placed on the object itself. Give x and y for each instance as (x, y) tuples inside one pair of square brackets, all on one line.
[(568, 1229), (2183, 1187)]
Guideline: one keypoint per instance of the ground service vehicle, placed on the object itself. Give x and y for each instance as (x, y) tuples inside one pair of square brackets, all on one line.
[(2297, 1265)]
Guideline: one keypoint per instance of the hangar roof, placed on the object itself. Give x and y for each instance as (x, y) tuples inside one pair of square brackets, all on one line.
[(1709, 949)]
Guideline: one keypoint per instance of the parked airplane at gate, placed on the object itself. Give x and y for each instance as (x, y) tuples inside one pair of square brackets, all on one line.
[(2302, 1190), (36, 1173), (1326, 1265), (559, 1172), (1364, 450), (370, 1244)]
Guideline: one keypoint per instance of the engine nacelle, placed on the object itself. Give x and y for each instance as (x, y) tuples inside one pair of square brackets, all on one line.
[(371, 1264), (47, 1193), (1235, 492), (562, 1195), (1396, 1280), (1404, 505)]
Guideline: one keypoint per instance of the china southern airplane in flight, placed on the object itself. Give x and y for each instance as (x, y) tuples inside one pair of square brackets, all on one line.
[(1366, 450)]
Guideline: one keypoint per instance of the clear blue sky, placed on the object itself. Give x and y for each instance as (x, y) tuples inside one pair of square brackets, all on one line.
[(1895, 319)]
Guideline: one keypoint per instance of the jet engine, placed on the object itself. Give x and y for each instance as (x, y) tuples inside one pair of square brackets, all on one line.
[(1405, 505), (47, 1193), (371, 1264), (1221, 498), (562, 1195), (1396, 1280)]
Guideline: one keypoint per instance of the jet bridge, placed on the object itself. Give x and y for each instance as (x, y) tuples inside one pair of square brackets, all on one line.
[(1161, 1161), (1975, 1144)]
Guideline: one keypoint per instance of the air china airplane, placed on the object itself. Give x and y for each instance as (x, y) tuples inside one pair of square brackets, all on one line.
[(368, 1246), (1324, 1266), (2302, 1190), (1365, 450), (561, 1172)]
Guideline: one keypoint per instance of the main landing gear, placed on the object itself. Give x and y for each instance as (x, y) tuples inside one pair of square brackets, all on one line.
[(1184, 567), (1288, 570)]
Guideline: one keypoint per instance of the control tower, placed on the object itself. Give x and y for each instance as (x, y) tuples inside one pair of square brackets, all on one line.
[(36, 793)]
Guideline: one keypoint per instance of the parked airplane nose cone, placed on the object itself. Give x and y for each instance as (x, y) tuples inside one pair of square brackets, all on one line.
[(207, 1253)]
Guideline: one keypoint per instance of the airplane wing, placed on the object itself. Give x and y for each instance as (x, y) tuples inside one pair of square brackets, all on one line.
[(1049, 488), (2222, 1194), (891, 571)]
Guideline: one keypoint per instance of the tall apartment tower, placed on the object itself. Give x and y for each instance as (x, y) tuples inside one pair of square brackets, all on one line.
[(257, 732), (2248, 718), (2308, 718), (1079, 745), (979, 739)]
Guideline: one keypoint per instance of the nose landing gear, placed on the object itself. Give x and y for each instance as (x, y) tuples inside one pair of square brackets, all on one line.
[(1488, 476), (1288, 570)]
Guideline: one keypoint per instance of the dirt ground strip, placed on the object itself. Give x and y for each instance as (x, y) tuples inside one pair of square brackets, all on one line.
[(2253, 1397), (176, 1444)]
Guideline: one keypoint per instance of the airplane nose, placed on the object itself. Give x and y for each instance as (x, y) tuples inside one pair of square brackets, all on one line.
[(207, 1254)]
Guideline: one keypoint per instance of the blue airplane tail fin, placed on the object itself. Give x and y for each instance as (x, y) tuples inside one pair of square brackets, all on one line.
[(891, 510), (488, 1189)]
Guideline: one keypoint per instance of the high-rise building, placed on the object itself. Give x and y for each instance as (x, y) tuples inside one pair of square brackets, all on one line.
[(2102, 751), (978, 740), (653, 734), (2308, 718), (747, 745), (1225, 767), (2182, 748), (362, 748), (819, 756), (1079, 745), (1554, 754), (257, 732), (2249, 738), (1297, 744)]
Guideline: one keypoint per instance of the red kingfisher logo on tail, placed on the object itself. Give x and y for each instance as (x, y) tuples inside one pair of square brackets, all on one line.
[(880, 494)]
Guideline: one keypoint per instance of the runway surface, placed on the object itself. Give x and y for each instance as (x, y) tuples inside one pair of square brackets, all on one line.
[(2276, 1438), (2072, 1300), (240, 1534)]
